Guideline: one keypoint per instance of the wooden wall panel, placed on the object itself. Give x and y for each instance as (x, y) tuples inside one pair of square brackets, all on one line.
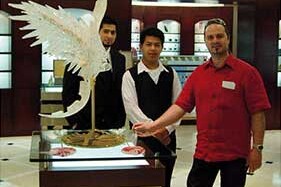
[(257, 44), (26, 108), (267, 22), (6, 109), (187, 32), (149, 17), (121, 11), (246, 30)]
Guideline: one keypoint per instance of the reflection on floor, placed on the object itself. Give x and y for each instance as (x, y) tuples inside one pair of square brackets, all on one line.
[(17, 171)]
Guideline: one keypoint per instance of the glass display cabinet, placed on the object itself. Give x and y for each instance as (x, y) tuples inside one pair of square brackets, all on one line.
[(137, 26), (171, 30), (96, 166), (184, 65), (5, 51), (200, 49)]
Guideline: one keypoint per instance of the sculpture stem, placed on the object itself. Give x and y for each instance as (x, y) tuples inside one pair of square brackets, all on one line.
[(93, 81)]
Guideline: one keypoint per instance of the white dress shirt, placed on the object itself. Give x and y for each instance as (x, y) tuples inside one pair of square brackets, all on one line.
[(129, 93), (109, 57)]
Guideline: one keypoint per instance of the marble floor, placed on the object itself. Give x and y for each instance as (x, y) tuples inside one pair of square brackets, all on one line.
[(17, 171)]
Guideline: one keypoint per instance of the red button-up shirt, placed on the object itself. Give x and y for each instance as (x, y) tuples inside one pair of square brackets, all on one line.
[(225, 98)]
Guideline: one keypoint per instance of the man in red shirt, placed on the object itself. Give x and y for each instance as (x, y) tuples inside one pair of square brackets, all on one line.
[(230, 101)]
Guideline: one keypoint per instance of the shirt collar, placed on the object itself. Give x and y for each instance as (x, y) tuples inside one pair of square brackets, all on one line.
[(229, 62), (108, 51), (143, 68), (108, 56)]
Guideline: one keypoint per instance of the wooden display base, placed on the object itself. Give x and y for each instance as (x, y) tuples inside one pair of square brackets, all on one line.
[(125, 176)]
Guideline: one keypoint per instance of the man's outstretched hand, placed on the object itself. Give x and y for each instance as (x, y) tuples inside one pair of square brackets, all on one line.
[(143, 129)]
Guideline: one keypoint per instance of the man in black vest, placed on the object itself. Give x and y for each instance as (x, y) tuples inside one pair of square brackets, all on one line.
[(148, 89), (109, 109)]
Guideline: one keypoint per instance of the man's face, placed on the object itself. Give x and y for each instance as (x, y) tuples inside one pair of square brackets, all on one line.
[(151, 49), (216, 39), (108, 34)]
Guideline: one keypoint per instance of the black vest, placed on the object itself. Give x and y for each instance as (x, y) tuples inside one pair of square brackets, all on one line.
[(153, 99)]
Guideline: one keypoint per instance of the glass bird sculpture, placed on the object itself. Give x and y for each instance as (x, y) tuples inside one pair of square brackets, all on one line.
[(76, 41)]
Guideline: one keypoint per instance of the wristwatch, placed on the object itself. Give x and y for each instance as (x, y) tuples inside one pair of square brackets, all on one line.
[(258, 147)]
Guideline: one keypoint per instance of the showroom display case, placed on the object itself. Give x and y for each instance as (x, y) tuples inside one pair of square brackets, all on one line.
[(5, 51), (136, 27), (171, 30), (184, 66), (200, 48), (97, 167)]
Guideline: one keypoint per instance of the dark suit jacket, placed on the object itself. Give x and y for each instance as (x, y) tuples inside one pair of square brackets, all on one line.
[(109, 109)]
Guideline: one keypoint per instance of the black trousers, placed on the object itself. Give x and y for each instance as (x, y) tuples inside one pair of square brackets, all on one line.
[(156, 146), (203, 174)]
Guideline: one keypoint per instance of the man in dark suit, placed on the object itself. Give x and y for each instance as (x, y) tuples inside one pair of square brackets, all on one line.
[(109, 109)]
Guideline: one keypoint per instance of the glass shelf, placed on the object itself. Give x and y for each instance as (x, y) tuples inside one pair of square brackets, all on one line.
[(54, 88)]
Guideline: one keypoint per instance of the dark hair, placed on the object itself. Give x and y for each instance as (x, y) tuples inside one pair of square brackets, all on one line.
[(108, 20), (152, 31), (219, 22)]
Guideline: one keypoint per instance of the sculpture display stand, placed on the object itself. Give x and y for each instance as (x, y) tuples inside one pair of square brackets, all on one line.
[(95, 167)]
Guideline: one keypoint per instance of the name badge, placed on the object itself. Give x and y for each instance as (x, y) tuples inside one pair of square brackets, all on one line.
[(228, 85)]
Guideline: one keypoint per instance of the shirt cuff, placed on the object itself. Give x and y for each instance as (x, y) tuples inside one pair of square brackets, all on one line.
[(170, 128)]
